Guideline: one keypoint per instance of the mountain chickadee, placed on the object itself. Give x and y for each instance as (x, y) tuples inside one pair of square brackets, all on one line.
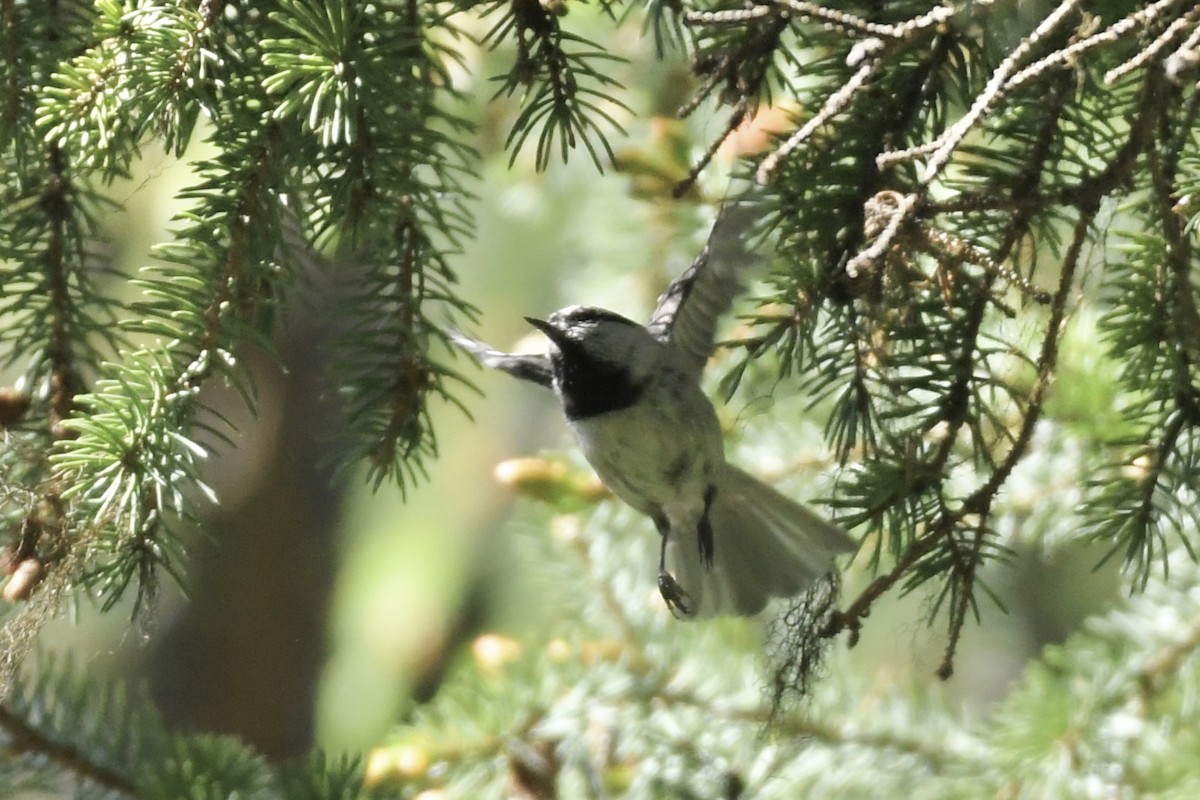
[(632, 396)]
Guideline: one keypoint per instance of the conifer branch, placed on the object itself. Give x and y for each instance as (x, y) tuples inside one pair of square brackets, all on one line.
[(25, 739), (957, 413), (9, 30), (941, 148), (936, 206), (739, 64), (1154, 48), (1112, 34), (834, 104), (64, 374), (565, 91)]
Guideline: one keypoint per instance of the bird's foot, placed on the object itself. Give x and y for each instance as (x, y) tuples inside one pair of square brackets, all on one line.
[(678, 600)]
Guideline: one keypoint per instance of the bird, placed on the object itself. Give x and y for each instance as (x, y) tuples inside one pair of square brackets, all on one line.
[(632, 396)]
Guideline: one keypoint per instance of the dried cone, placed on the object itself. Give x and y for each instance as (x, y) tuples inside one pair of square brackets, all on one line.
[(27, 575), (13, 405)]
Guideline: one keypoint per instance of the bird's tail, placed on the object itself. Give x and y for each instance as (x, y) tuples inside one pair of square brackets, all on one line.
[(764, 545)]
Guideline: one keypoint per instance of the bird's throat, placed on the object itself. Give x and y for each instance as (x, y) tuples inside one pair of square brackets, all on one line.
[(589, 387)]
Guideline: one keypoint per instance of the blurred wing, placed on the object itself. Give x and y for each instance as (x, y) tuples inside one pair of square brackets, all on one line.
[(687, 313), (527, 367)]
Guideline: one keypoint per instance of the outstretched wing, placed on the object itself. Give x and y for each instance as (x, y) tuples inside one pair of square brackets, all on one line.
[(527, 367), (687, 313)]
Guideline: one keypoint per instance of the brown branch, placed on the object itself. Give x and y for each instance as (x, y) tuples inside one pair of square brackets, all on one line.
[(735, 120), (955, 405), (834, 105), (64, 381), (13, 94), (965, 567), (26, 739), (732, 68), (860, 608), (979, 502), (228, 281), (1067, 56), (1154, 48), (1183, 316), (938, 15)]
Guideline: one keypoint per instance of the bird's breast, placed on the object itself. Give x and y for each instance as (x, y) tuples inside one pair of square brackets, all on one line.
[(666, 445)]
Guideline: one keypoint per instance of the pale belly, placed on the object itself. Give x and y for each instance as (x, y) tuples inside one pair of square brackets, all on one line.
[(652, 455)]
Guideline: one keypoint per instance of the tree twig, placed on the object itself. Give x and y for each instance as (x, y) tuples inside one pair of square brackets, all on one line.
[(24, 738)]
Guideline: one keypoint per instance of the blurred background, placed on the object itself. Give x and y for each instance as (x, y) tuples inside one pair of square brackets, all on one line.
[(318, 612)]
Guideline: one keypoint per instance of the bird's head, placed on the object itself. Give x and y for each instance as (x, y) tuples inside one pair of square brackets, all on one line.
[(598, 335), (595, 352)]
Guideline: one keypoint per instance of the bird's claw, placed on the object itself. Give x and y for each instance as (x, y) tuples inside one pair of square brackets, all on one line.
[(678, 600)]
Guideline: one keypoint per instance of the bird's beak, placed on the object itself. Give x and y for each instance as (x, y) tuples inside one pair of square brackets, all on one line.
[(552, 333)]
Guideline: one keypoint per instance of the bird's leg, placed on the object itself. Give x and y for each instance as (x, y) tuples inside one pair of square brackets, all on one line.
[(672, 593), (704, 530)]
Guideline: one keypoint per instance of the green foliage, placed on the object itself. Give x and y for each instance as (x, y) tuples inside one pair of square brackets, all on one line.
[(147, 76), (62, 722), (910, 229), (567, 94), (1117, 693), (389, 186), (618, 701), (955, 187), (1148, 491), (315, 143)]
